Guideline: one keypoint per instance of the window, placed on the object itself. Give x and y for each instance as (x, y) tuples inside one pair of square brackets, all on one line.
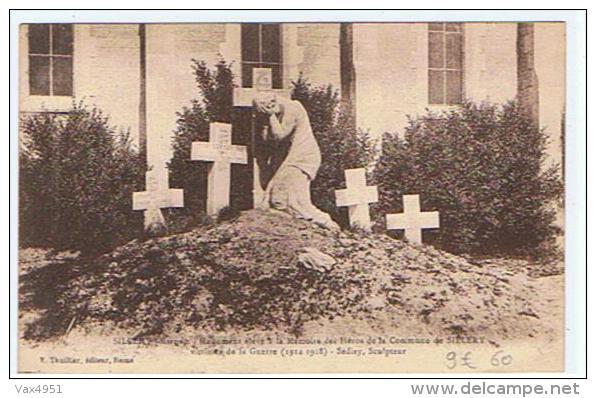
[(261, 48), (50, 59), (445, 63)]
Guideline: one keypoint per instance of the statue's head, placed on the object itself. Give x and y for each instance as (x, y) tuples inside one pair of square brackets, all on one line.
[(266, 102)]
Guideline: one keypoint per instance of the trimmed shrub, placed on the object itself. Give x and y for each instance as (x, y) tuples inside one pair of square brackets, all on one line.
[(482, 167), (77, 176)]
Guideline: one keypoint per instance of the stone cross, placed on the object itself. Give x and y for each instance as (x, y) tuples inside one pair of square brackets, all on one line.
[(243, 96), (156, 197), (356, 197), (412, 220), (220, 151)]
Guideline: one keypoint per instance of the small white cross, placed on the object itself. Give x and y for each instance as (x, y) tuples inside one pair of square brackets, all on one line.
[(156, 197), (357, 197), (222, 153), (412, 220)]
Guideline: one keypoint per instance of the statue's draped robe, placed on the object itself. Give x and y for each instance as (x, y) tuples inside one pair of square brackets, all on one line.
[(290, 158)]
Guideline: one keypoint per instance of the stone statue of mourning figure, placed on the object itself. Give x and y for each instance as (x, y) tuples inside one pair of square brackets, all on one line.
[(288, 157)]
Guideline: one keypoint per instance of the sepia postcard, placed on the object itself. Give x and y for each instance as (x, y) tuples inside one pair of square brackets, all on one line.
[(339, 197)]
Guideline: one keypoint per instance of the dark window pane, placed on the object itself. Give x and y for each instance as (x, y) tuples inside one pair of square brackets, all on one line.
[(454, 51), (453, 27), (435, 26), (276, 75), (435, 87), (454, 87), (270, 43), (247, 74), (39, 39), (62, 76), (39, 75), (250, 42), (62, 39), (259, 43), (436, 54)]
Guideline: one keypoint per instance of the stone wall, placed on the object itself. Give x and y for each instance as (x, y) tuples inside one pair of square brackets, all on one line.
[(170, 81), (390, 59), (392, 76), (318, 49), (549, 59), (106, 74)]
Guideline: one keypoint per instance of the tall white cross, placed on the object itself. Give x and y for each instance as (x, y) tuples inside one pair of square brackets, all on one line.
[(357, 197), (243, 96), (412, 220), (156, 197), (220, 151)]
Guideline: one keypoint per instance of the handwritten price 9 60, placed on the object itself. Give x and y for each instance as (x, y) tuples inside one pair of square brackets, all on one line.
[(465, 360)]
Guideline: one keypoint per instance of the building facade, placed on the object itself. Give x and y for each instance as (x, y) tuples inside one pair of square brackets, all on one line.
[(140, 75)]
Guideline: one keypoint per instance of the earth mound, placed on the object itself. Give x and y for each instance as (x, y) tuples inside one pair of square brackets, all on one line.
[(248, 274)]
